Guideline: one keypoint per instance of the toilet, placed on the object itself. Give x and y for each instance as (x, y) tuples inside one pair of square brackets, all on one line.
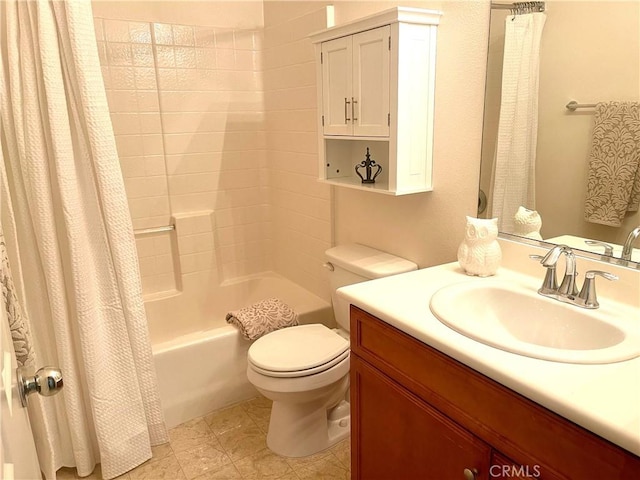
[(304, 369)]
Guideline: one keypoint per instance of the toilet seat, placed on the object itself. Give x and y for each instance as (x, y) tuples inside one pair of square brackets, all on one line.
[(301, 373), (298, 351)]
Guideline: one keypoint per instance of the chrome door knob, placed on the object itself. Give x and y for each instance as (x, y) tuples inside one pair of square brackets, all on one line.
[(47, 381)]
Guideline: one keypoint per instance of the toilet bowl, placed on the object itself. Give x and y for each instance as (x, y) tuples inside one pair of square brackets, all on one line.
[(304, 369)]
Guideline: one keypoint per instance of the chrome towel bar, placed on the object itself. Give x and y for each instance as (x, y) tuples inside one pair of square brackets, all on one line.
[(573, 105), (146, 231)]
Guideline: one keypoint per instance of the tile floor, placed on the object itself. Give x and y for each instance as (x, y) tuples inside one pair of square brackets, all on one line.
[(231, 444)]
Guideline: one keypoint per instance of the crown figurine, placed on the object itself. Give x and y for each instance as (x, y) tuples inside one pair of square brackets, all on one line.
[(367, 164)]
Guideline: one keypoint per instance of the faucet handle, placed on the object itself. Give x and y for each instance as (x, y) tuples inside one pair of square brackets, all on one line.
[(550, 283), (588, 293), (608, 249), (591, 274)]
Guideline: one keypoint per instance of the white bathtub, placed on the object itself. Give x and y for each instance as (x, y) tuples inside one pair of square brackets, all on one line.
[(200, 360)]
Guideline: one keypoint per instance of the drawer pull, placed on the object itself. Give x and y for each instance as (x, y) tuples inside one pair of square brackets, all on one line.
[(470, 474)]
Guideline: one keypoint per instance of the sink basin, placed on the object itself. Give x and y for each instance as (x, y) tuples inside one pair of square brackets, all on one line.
[(519, 320)]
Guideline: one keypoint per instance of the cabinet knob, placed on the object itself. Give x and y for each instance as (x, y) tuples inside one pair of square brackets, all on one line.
[(470, 474)]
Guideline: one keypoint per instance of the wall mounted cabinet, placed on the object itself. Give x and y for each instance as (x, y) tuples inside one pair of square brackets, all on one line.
[(355, 70), (376, 85)]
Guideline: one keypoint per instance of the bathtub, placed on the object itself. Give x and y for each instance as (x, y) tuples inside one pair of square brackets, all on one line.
[(200, 360)]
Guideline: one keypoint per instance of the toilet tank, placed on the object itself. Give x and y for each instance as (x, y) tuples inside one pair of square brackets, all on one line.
[(356, 263)]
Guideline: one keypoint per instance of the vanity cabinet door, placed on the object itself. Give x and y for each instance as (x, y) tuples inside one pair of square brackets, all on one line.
[(396, 435)]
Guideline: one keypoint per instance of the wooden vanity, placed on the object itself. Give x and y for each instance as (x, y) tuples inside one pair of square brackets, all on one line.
[(419, 414)]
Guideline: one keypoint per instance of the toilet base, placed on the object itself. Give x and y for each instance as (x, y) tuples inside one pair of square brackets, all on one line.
[(301, 430)]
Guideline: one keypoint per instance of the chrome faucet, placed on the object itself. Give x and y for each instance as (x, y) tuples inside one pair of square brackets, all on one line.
[(567, 292), (628, 243), (568, 286)]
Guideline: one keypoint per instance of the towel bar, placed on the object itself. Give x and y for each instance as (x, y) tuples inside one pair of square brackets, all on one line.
[(573, 105), (145, 231)]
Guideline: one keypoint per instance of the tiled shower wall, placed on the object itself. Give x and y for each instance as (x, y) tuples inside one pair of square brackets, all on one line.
[(301, 207), (188, 114)]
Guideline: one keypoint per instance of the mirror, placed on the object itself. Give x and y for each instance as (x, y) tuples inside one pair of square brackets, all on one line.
[(589, 53)]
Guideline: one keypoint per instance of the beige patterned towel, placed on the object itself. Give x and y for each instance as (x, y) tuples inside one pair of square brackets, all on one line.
[(613, 186), (18, 322), (263, 317)]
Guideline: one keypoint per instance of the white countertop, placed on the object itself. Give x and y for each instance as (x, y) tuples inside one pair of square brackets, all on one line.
[(604, 399)]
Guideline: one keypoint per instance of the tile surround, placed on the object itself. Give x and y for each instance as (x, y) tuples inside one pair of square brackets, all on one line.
[(187, 108), (231, 444), (231, 111), (301, 206)]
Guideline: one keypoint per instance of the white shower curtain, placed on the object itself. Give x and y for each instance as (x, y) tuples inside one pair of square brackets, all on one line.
[(70, 230), (515, 158)]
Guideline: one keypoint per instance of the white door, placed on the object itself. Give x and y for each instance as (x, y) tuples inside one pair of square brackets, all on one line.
[(18, 458), (371, 82), (336, 86)]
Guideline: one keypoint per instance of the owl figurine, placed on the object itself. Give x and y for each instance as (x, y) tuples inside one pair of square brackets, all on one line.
[(479, 253), (527, 223)]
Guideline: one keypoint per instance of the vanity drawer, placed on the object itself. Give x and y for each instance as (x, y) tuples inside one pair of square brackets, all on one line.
[(521, 429)]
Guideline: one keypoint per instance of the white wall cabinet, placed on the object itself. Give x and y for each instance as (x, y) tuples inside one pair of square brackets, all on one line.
[(355, 70), (376, 85)]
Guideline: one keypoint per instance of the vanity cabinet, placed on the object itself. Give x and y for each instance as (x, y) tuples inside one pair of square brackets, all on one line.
[(376, 86), (417, 413)]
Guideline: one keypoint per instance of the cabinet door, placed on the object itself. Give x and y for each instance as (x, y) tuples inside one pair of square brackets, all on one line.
[(371, 82), (337, 86), (395, 435)]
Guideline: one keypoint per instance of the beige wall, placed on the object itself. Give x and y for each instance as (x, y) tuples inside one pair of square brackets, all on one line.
[(425, 228), (590, 52)]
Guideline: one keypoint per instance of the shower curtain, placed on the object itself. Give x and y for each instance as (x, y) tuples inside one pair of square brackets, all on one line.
[(515, 157), (69, 235)]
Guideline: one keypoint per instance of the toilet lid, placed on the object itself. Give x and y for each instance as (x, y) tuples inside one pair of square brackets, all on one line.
[(297, 348)]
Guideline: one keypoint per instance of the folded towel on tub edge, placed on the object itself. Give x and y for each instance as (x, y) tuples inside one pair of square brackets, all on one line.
[(263, 317)]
